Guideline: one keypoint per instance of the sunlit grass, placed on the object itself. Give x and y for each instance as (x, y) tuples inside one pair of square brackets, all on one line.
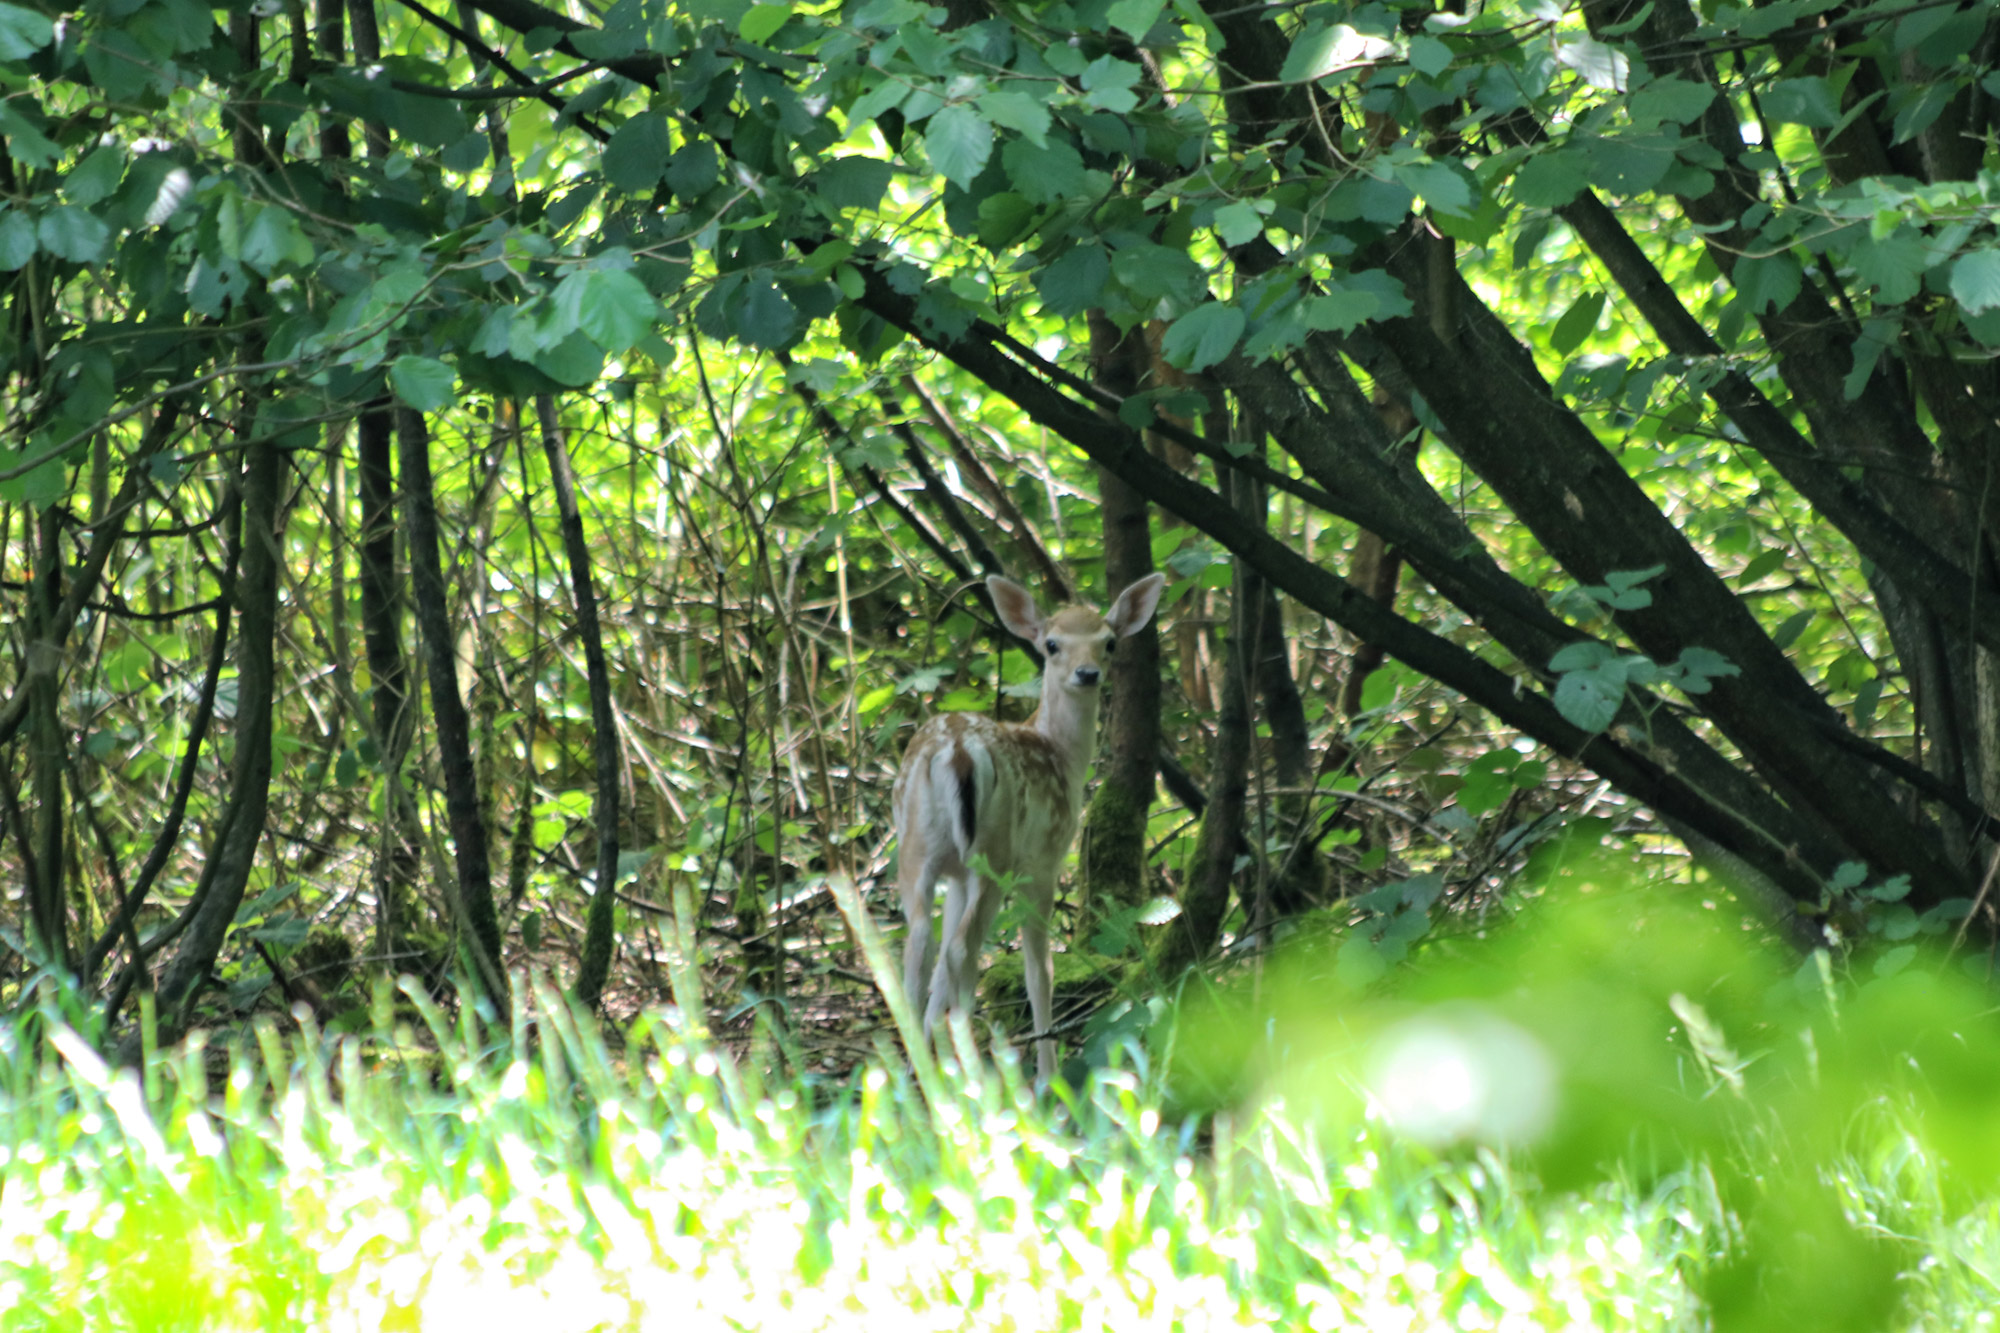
[(582, 1190), (431, 1176)]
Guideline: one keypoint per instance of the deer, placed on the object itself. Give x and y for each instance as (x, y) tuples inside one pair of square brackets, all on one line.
[(981, 804)]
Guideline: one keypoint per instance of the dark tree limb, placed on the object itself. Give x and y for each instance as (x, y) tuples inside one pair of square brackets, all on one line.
[(598, 927), (474, 889)]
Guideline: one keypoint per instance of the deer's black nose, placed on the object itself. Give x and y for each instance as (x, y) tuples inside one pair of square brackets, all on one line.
[(1087, 675)]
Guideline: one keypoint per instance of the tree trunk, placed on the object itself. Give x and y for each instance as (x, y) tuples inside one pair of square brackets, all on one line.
[(242, 826), (1112, 862), (598, 929), (477, 919)]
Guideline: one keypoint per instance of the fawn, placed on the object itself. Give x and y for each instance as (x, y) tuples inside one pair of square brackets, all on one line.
[(1010, 792)]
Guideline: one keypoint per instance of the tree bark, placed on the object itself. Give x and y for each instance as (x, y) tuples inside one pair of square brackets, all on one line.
[(235, 852), (474, 895), (598, 928), (1112, 861)]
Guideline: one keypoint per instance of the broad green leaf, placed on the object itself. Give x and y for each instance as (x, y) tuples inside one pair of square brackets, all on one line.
[(1203, 336), (423, 382), (853, 182), (1320, 49), (1591, 699), (1341, 310), (1893, 265), (1550, 179), (1577, 323), (1631, 164), (1046, 174), (271, 237), (23, 32), (1135, 17), (1877, 335), (68, 232), (575, 361), (693, 170), (1075, 282), (1428, 55), (617, 309), (1002, 219), (637, 155), (17, 239), (96, 176), (1598, 65), (1677, 100), (760, 22), (1768, 282), (1023, 113), (1975, 280), (1802, 102), (959, 141), (1437, 184), (1238, 223), (765, 317)]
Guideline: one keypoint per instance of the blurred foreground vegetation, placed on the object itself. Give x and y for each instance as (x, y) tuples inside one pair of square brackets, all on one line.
[(1558, 1128)]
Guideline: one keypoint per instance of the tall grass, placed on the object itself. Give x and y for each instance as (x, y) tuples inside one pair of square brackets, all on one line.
[(454, 1175)]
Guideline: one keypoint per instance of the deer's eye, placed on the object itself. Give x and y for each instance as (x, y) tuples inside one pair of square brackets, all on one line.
[(1051, 646), (1110, 647)]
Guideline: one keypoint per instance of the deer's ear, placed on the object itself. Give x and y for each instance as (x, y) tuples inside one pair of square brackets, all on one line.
[(1134, 607), (1017, 608)]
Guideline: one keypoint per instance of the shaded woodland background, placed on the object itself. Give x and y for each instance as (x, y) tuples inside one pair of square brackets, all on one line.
[(475, 481)]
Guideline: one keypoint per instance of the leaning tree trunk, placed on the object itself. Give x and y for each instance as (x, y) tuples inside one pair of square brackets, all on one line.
[(474, 896), (235, 852), (598, 932), (1189, 937), (1113, 858)]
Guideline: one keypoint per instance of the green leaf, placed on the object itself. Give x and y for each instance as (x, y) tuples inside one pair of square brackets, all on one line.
[(1676, 100), (617, 310), (1134, 16), (1026, 115), (1802, 102), (1238, 224), (959, 142), (1437, 184), (1975, 280), (23, 32), (1320, 49), (1893, 265), (1046, 174), (1341, 310), (1002, 219), (1577, 323), (693, 170), (423, 382), (68, 232), (1075, 282), (1768, 282), (637, 155), (761, 22), (1429, 56), (853, 182), (273, 236), (17, 240), (96, 176), (765, 317), (1600, 66), (1550, 180), (1591, 699), (1877, 335), (1203, 336)]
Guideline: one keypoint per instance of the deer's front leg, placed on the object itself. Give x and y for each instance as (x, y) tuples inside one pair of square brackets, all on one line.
[(1038, 971)]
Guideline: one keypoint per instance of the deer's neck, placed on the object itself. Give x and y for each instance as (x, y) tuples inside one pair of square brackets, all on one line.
[(1068, 718)]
